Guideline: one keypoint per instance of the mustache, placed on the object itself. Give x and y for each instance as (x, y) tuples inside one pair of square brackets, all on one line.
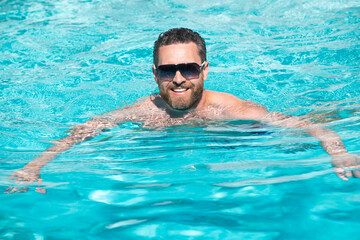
[(186, 84)]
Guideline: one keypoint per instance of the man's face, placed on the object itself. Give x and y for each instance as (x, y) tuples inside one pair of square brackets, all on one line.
[(180, 93)]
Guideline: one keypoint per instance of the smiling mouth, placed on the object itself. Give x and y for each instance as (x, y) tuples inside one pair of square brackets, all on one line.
[(179, 90)]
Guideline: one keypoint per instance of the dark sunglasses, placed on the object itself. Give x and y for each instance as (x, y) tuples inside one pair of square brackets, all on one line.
[(188, 71)]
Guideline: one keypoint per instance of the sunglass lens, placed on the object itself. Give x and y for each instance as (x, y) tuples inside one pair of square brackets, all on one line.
[(190, 70), (187, 70), (166, 72)]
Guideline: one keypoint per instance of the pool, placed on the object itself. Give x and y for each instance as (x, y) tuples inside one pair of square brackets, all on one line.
[(63, 62)]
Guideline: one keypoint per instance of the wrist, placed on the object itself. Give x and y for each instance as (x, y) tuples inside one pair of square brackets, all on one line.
[(338, 152), (335, 148), (33, 166)]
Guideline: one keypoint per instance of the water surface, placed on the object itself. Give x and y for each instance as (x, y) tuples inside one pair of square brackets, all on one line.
[(63, 62)]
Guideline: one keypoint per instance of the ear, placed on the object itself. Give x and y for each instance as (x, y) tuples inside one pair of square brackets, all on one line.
[(154, 72), (205, 71)]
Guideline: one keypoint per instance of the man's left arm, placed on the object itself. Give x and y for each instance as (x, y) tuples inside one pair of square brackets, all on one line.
[(342, 161)]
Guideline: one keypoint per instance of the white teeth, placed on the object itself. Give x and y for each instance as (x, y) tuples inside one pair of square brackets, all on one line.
[(179, 90)]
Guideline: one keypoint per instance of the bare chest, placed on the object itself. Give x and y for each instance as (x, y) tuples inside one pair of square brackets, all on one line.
[(157, 117)]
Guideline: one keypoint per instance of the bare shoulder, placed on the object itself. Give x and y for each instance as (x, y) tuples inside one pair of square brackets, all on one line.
[(142, 105), (236, 108)]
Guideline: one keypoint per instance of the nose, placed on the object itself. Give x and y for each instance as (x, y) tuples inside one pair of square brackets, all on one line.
[(178, 79)]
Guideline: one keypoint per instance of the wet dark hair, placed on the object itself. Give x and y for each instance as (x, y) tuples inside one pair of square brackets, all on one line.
[(179, 35)]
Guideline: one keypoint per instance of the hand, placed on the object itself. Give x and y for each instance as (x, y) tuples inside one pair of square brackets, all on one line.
[(345, 164), (26, 175)]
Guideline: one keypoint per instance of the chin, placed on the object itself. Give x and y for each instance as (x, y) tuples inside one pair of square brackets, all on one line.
[(181, 103)]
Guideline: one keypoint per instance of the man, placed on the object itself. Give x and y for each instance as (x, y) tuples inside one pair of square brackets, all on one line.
[(180, 69)]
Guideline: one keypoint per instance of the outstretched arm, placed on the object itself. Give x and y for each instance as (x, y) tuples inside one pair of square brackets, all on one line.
[(82, 132), (342, 161)]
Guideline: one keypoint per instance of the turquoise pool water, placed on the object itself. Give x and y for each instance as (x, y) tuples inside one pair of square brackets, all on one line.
[(62, 62)]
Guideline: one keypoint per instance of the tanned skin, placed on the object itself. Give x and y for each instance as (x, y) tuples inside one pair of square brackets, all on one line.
[(183, 101)]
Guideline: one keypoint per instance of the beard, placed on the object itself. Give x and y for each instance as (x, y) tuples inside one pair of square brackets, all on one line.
[(182, 102)]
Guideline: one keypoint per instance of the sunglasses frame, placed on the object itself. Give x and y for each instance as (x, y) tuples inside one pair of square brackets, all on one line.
[(177, 69)]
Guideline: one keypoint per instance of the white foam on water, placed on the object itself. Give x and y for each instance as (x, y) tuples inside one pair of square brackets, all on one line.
[(220, 195), (112, 197), (101, 196), (191, 233), (125, 223), (131, 201), (116, 177)]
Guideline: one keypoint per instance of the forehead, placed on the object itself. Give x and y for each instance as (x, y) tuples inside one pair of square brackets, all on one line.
[(179, 53)]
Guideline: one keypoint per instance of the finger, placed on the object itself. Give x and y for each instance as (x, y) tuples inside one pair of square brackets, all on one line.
[(40, 190), (18, 180), (40, 180), (341, 174), (11, 177), (356, 173), (28, 181), (24, 189), (349, 173), (25, 180), (31, 180), (15, 189), (8, 189)]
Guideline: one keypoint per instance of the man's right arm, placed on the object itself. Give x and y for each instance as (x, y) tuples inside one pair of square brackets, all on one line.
[(80, 133)]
